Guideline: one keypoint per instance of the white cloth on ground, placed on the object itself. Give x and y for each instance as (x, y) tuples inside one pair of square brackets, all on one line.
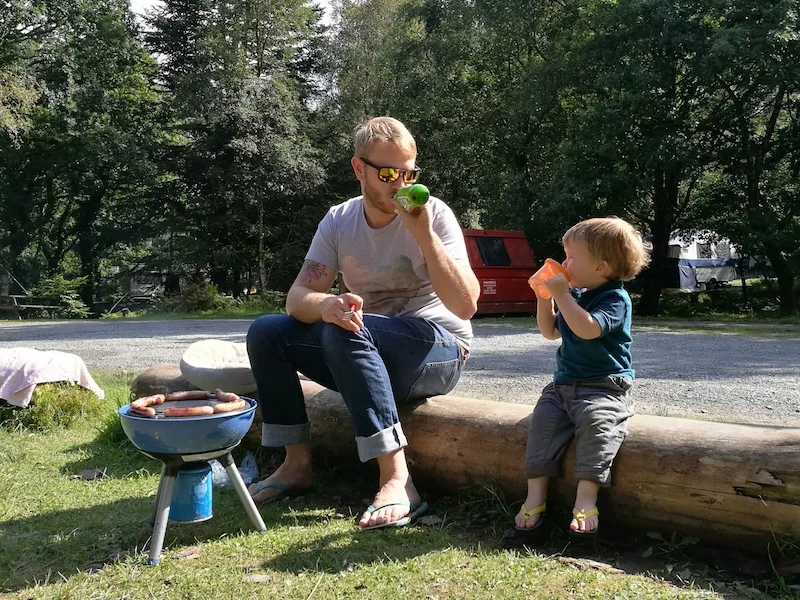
[(22, 369)]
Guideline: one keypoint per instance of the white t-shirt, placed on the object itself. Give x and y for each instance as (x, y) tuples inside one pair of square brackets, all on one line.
[(386, 267)]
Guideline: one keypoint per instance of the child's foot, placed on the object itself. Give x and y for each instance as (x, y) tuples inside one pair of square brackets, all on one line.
[(529, 518), (585, 519)]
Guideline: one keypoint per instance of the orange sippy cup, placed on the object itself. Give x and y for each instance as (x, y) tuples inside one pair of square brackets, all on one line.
[(549, 269)]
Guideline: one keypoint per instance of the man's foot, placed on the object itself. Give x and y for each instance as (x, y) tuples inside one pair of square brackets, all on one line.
[(395, 490), (585, 519), (286, 480), (529, 518)]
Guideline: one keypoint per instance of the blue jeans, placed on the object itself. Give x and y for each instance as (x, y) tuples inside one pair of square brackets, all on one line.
[(392, 361)]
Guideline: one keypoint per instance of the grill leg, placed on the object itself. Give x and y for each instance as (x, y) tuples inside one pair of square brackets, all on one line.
[(158, 496), (166, 487), (241, 491)]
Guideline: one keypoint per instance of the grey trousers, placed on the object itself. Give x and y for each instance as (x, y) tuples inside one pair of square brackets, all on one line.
[(596, 412)]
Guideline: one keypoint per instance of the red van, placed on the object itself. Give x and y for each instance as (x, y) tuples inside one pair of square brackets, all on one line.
[(503, 261)]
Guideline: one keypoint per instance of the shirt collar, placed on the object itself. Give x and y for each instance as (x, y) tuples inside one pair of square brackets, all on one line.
[(584, 294)]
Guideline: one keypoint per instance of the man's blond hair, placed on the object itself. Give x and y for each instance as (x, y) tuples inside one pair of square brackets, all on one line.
[(614, 241), (383, 129)]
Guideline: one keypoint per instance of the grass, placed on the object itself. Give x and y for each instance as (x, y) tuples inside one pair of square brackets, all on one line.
[(63, 536)]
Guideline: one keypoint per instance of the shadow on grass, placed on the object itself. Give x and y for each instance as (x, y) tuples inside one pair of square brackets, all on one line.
[(39, 547), (343, 551)]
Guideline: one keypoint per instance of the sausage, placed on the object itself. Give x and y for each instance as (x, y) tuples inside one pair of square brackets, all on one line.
[(192, 411), (143, 411), (224, 407), (189, 395), (226, 396), (148, 400), (141, 406)]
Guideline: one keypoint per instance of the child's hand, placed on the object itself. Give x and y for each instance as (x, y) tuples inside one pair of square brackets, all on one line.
[(557, 285)]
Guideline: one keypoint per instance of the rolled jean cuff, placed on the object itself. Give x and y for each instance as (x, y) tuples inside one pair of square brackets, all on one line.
[(385, 441), (542, 469), (601, 478), (284, 435)]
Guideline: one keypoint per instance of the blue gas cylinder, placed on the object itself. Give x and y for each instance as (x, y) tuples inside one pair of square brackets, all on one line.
[(192, 497)]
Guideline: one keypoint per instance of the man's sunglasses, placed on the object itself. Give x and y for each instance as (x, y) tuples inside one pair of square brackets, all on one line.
[(390, 174)]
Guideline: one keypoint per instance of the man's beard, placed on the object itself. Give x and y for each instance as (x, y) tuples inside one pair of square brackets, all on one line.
[(380, 201)]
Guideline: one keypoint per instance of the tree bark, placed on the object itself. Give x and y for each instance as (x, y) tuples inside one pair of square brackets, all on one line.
[(262, 268), (665, 200), (87, 215), (785, 280), (729, 483)]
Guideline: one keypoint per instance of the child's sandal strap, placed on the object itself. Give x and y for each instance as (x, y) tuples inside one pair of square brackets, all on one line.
[(581, 516), (527, 513)]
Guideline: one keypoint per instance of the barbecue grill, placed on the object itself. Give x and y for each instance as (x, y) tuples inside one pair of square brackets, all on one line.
[(188, 444)]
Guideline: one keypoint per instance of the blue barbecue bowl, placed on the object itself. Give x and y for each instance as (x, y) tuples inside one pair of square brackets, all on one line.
[(187, 435)]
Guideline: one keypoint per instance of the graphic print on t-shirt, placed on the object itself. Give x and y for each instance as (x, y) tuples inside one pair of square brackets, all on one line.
[(385, 288)]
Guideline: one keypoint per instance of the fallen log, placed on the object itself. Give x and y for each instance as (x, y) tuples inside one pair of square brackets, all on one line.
[(727, 483), (731, 484)]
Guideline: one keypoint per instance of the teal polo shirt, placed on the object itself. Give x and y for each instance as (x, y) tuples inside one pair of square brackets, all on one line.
[(610, 354)]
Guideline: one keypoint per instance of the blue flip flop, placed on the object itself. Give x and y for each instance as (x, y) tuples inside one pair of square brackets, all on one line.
[(413, 515), (263, 485)]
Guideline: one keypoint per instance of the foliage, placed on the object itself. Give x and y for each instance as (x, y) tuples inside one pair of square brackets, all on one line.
[(195, 297), (243, 160), (223, 155), (55, 405), (762, 302), (64, 292)]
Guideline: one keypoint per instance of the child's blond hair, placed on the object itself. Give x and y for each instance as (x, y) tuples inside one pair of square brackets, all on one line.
[(383, 129), (614, 241)]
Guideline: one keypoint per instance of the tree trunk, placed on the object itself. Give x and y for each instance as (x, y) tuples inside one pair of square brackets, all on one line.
[(262, 268), (5, 282), (665, 198), (730, 483), (733, 484), (745, 294), (785, 280), (87, 215)]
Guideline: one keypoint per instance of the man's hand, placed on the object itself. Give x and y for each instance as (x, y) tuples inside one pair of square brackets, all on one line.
[(417, 219), (344, 310), (557, 285)]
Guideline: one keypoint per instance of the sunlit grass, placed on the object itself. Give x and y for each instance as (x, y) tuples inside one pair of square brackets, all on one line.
[(67, 536)]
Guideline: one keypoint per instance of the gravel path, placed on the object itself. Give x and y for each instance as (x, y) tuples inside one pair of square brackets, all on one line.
[(746, 377)]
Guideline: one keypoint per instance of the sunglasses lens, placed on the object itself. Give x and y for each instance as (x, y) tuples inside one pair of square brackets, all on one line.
[(410, 176), (388, 175)]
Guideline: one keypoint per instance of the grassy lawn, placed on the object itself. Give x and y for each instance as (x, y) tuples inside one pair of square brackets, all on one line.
[(64, 535)]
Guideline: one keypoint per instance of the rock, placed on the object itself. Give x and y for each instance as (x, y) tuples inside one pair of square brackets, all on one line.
[(211, 364), (160, 379)]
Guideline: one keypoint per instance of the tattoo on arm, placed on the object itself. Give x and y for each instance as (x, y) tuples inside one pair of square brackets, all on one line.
[(311, 272)]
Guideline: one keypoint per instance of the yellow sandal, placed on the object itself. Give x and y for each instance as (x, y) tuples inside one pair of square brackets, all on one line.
[(581, 516), (527, 513)]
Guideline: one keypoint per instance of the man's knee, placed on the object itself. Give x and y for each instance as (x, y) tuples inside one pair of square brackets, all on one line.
[(265, 328), (337, 339)]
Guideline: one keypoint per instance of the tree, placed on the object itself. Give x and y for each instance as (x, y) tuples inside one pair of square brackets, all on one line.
[(239, 82), (752, 194), (82, 170)]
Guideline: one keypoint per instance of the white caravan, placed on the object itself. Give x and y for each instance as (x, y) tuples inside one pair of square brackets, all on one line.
[(703, 263)]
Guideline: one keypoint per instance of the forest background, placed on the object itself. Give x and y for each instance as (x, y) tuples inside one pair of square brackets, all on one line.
[(208, 138)]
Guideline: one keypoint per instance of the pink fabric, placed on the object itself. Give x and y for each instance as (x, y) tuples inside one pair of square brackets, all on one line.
[(21, 369)]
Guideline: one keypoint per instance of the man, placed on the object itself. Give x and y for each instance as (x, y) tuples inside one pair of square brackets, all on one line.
[(400, 335)]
